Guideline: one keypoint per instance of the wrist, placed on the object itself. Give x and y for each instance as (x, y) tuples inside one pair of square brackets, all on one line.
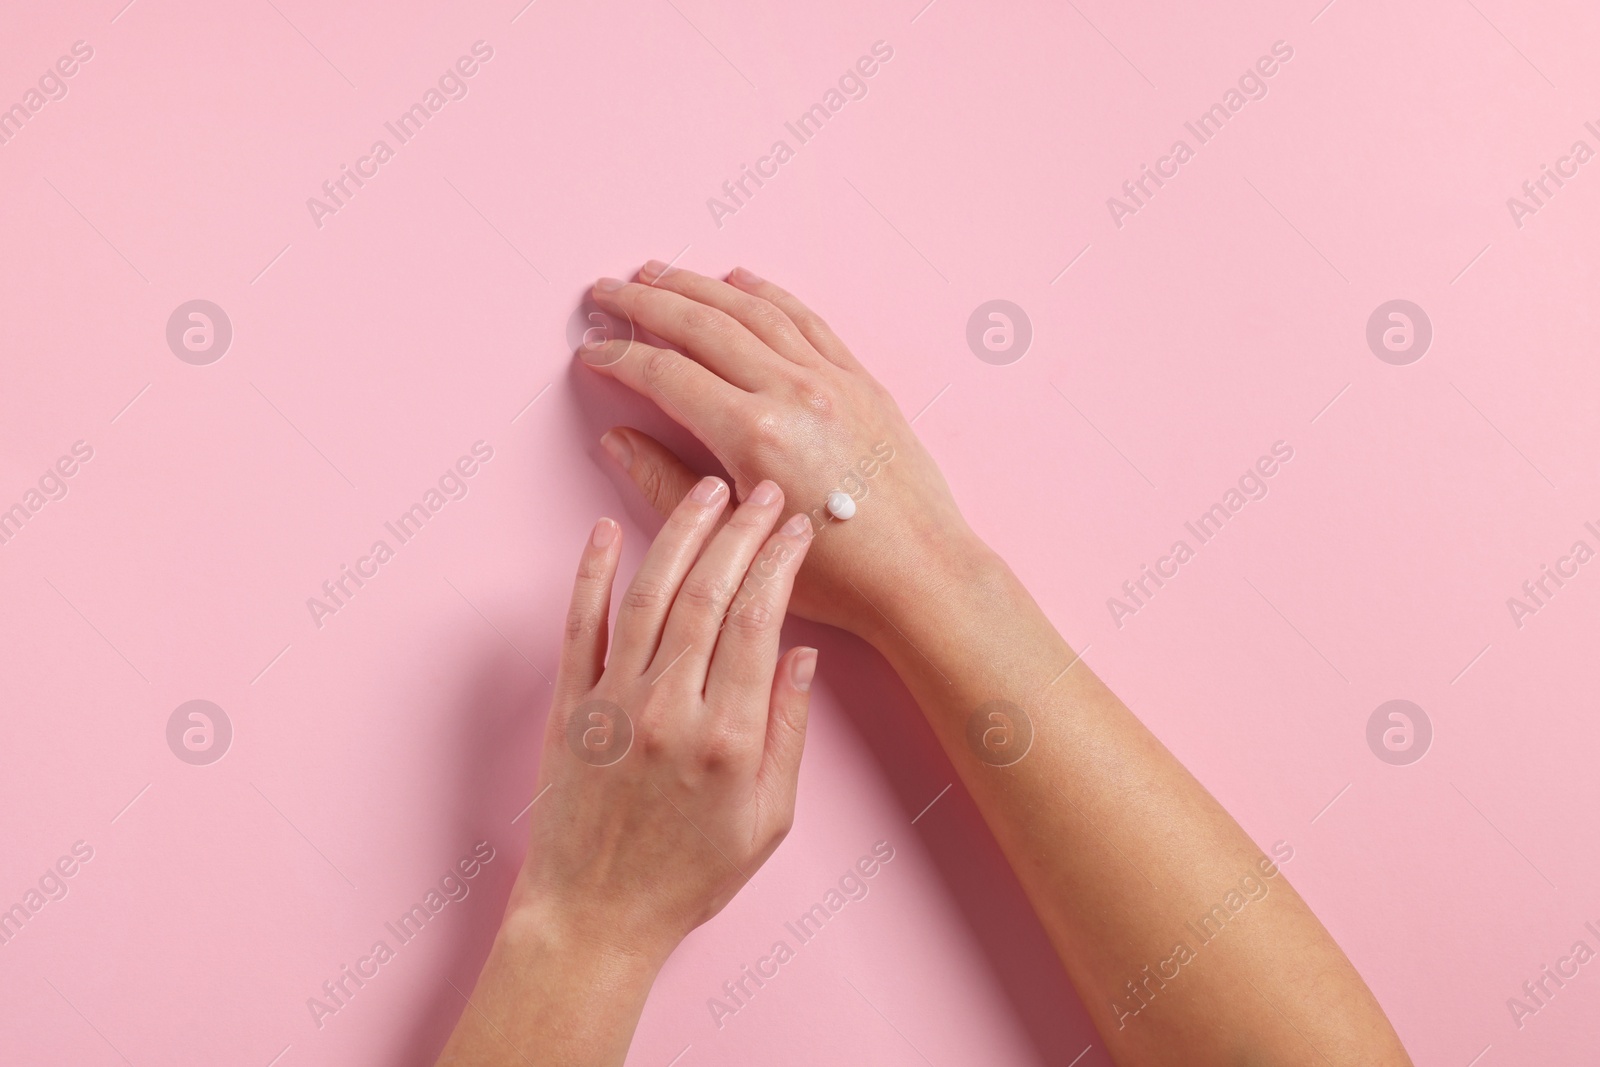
[(934, 571), (603, 945), (547, 984)]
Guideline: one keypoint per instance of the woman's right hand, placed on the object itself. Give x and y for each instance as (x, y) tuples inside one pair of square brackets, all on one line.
[(774, 394)]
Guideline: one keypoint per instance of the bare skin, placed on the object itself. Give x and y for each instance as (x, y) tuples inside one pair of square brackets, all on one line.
[(1185, 941)]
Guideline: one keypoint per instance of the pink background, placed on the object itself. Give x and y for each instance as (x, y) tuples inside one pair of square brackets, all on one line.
[(1227, 314)]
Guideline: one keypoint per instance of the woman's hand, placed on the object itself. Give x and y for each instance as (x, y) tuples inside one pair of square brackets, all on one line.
[(774, 394), (668, 776), (670, 764)]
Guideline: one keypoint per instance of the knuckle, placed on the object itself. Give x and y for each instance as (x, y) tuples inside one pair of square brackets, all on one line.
[(749, 517), (645, 597), (698, 318), (764, 314), (817, 402), (651, 482), (768, 431), (659, 367), (704, 592), (722, 746), (684, 520), (652, 742), (656, 731), (580, 625), (809, 321), (752, 616)]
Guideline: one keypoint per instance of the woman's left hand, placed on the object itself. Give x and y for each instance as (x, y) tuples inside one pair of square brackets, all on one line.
[(673, 750)]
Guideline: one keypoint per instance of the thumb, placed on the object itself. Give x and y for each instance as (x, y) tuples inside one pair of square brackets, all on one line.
[(661, 476)]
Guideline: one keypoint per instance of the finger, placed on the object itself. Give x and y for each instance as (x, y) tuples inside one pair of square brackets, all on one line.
[(650, 594), (778, 779), (747, 647), (661, 476), (692, 396), (758, 315), (712, 337), (583, 648), (808, 322), (708, 591)]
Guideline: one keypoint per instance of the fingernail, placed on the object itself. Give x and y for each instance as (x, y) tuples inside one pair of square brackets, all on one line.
[(707, 491), (804, 669), (764, 494), (744, 277), (799, 525), (608, 285), (605, 532), (597, 355), (617, 448), (653, 270)]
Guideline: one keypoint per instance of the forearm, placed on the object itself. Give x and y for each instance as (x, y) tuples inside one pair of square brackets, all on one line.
[(1120, 849), (551, 997)]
